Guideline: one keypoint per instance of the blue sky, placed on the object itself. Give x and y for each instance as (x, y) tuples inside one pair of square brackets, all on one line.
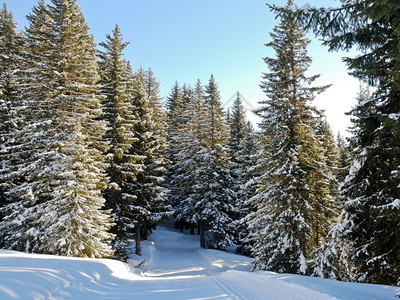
[(183, 40)]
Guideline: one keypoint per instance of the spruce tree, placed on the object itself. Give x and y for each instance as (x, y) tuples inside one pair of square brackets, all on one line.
[(63, 174), (117, 88), (174, 106), (330, 151), (21, 149), (344, 159), (149, 207), (10, 62), (155, 163), (246, 171), (193, 146), (372, 192), (237, 124), (214, 182), (293, 205), (239, 138)]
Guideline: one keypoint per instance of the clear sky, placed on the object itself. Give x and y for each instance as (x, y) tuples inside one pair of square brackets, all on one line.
[(183, 40)]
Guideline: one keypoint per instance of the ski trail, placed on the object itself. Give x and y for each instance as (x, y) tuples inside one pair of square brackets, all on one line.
[(232, 289)]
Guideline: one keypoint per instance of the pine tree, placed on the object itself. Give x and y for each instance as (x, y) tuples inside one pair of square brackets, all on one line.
[(175, 108), (149, 206), (117, 88), (372, 191), (240, 133), (21, 148), (237, 124), (10, 61), (293, 205), (193, 146), (214, 181), (63, 174), (344, 159), (246, 171), (330, 151), (156, 162)]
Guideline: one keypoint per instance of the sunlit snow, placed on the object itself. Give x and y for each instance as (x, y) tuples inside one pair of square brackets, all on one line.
[(177, 268)]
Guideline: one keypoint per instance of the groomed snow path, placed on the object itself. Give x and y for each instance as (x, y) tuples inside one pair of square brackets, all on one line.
[(177, 269)]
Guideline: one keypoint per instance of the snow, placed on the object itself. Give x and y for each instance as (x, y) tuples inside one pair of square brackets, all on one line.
[(293, 8), (306, 8), (177, 269), (394, 116)]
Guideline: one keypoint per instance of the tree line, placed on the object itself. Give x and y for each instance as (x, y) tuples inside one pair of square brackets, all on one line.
[(92, 158)]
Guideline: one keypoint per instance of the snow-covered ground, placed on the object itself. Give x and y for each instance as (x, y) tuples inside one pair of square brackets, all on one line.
[(177, 269)]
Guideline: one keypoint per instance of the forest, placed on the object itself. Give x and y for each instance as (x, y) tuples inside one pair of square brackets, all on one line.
[(93, 157)]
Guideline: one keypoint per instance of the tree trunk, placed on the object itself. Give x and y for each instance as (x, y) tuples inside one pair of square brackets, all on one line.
[(191, 228), (201, 232), (138, 249), (181, 225)]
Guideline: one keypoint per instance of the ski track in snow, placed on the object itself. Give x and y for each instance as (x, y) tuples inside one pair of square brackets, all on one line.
[(197, 261), (177, 269)]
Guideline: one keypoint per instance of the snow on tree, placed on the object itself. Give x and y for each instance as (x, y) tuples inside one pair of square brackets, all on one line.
[(149, 207), (17, 227), (241, 149), (10, 61), (193, 142), (214, 182), (372, 192), (11, 121), (330, 151), (331, 258), (155, 164), (344, 159), (60, 149), (175, 109), (246, 170), (292, 206), (117, 88)]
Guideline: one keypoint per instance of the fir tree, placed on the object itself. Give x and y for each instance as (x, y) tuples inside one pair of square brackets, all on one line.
[(10, 61), (344, 159), (155, 164), (174, 105), (293, 205), (193, 145), (149, 207), (214, 182), (372, 191), (117, 88), (246, 170), (64, 172), (237, 124), (31, 121), (240, 136), (330, 151)]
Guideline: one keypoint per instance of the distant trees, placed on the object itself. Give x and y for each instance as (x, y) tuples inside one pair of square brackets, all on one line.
[(200, 177)]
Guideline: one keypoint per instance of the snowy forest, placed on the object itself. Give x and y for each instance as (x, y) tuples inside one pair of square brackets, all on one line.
[(93, 157)]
